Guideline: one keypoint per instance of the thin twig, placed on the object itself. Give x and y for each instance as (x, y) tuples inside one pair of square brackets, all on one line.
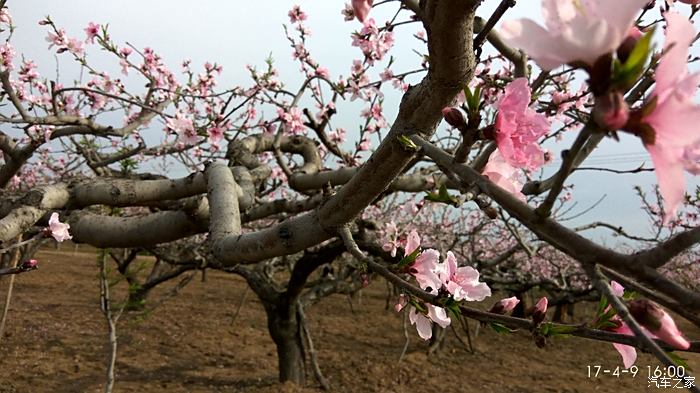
[(406, 335), (312, 352), (567, 165), (467, 347), (240, 305), (491, 23), (8, 297)]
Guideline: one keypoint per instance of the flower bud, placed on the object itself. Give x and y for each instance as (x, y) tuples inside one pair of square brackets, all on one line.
[(650, 315), (625, 49), (539, 311), (611, 111), (364, 279), (454, 116), (505, 306), (30, 264), (617, 289), (403, 301)]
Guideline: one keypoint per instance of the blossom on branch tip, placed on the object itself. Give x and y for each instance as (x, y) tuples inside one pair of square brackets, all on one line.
[(673, 140), (576, 30), (92, 30), (518, 127), (296, 15), (57, 229)]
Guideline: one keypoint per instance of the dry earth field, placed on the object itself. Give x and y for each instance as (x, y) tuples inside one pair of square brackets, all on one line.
[(55, 341)]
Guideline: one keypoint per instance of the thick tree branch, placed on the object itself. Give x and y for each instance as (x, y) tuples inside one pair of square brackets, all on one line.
[(659, 255), (559, 236), (224, 213)]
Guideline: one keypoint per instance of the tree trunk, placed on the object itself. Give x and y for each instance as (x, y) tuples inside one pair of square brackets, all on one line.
[(284, 327), (137, 299)]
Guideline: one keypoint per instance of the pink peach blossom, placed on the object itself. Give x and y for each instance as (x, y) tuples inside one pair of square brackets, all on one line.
[(576, 31), (184, 128), (504, 175), (5, 16), (7, 54), (518, 127), (424, 322), (57, 229), (425, 270), (296, 15), (675, 115), (92, 30), (462, 282), (292, 120), (361, 9), (628, 353), (412, 241)]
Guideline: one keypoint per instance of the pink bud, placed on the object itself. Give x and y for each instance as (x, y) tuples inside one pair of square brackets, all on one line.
[(650, 315), (454, 116), (364, 278), (401, 303), (611, 111), (539, 311), (617, 289), (30, 264), (505, 306)]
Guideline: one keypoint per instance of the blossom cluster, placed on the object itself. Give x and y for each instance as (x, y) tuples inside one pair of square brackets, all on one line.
[(435, 276)]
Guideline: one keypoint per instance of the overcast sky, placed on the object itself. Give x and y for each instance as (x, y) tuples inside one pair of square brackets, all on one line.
[(236, 33)]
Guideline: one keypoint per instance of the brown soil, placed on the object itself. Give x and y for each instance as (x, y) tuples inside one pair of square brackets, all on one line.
[(55, 341)]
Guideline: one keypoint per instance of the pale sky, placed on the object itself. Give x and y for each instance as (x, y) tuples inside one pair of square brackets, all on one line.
[(236, 33)]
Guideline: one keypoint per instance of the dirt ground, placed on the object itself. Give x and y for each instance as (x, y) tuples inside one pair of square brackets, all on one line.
[(55, 341)]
